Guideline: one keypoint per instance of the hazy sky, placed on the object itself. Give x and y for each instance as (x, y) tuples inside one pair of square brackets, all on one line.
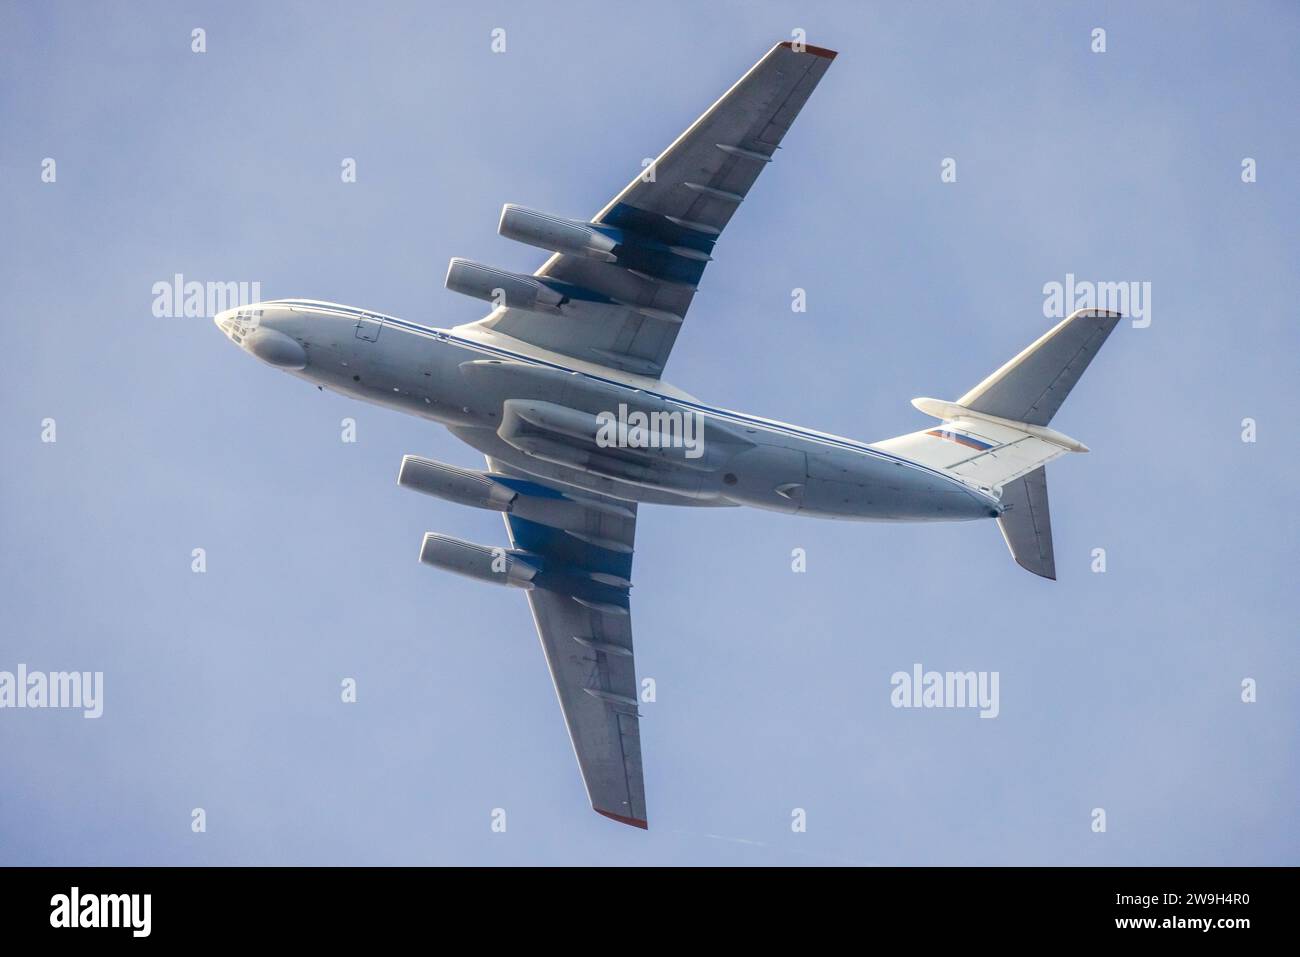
[(1119, 691)]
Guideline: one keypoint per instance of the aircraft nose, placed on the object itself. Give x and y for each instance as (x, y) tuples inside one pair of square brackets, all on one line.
[(239, 323), (225, 321), (246, 329)]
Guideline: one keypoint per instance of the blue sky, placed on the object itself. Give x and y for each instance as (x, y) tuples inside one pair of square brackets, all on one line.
[(1118, 690)]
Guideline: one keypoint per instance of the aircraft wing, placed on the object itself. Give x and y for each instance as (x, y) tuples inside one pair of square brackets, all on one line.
[(668, 220), (583, 621)]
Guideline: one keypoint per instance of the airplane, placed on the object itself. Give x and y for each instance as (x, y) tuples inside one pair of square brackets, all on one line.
[(560, 387)]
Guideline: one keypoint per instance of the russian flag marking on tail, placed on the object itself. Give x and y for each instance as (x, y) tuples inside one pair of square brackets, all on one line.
[(967, 440)]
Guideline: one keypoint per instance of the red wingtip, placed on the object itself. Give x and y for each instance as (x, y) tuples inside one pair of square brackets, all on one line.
[(815, 51), (634, 821)]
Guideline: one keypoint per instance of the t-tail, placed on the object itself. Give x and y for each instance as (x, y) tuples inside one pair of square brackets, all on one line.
[(996, 436)]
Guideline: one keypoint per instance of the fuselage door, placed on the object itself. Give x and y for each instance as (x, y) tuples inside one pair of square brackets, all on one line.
[(368, 327)]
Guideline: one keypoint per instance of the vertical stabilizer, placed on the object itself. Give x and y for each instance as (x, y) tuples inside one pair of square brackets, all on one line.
[(1026, 524)]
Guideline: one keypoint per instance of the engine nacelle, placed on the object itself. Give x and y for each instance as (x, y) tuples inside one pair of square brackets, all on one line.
[(462, 486), (501, 566), (501, 288), (484, 490), (552, 233)]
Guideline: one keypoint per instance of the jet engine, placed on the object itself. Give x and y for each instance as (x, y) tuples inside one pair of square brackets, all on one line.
[(552, 233), (501, 566), (502, 288), (579, 517)]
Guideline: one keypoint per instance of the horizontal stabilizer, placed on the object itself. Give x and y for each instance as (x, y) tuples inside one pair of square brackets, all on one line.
[(1031, 387), (985, 451)]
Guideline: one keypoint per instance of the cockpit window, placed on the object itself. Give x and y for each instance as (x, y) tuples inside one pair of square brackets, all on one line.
[(244, 322)]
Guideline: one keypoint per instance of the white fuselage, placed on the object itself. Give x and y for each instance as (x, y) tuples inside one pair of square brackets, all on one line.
[(532, 410)]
